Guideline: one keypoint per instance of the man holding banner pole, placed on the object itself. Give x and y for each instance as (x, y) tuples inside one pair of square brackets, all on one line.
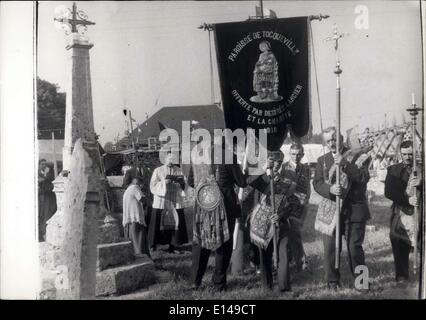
[(269, 225)]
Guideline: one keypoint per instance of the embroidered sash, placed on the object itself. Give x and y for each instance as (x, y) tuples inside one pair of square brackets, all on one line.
[(210, 227), (403, 224), (326, 218), (261, 227)]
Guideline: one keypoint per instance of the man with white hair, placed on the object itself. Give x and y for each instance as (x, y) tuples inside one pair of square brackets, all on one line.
[(354, 212)]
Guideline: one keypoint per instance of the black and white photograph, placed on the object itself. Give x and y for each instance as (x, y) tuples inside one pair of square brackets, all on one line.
[(220, 150)]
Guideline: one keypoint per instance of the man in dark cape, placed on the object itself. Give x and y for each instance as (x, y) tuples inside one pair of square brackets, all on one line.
[(216, 234)]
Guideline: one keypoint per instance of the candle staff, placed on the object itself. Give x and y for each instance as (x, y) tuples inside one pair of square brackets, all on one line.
[(415, 182)]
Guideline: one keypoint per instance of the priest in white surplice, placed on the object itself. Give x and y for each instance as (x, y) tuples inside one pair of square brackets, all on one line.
[(167, 224)]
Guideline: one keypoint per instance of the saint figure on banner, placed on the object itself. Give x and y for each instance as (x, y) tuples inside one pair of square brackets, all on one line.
[(265, 76)]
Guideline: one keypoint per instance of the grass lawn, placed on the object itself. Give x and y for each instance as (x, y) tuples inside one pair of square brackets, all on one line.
[(173, 270)]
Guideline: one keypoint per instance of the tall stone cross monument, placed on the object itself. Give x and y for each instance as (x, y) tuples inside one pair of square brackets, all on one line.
[(72, 231), (79, 111)]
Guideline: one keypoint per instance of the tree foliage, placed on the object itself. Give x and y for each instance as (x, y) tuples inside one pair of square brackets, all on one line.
[(50, 110)]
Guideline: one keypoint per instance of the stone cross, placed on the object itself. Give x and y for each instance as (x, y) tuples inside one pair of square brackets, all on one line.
[(73, 229), (78, 17), (79, 112)]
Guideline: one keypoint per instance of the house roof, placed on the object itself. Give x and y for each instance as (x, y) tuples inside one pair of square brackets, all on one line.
[(209, 117)]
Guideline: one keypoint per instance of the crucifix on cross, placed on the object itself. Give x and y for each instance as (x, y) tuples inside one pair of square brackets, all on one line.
[(78, 18), (336, 36)]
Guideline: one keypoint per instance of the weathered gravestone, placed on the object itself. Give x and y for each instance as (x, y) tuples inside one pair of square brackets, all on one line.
[(79, 209)]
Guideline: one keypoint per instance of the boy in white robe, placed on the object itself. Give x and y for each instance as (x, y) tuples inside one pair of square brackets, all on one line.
[(135, 227)]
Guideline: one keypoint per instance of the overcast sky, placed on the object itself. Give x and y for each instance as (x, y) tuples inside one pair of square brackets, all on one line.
[(152, 51)]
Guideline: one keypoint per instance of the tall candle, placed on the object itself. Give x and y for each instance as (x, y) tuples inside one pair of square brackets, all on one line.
[(412, 98)]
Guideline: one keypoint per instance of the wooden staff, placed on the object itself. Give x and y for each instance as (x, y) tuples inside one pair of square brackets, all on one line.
[(240, 198), (414, 112)]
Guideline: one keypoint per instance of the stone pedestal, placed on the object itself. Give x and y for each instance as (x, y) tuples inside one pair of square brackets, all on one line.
[(54, 232)]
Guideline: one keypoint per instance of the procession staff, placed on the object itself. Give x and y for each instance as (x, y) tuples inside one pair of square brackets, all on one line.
[(354, 213), (337, 71)]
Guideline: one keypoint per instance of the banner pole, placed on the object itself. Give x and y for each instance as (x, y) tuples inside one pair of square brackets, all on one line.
[(275, 229)]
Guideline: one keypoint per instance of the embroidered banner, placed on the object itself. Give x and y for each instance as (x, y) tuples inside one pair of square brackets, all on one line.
[(264, 76)]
